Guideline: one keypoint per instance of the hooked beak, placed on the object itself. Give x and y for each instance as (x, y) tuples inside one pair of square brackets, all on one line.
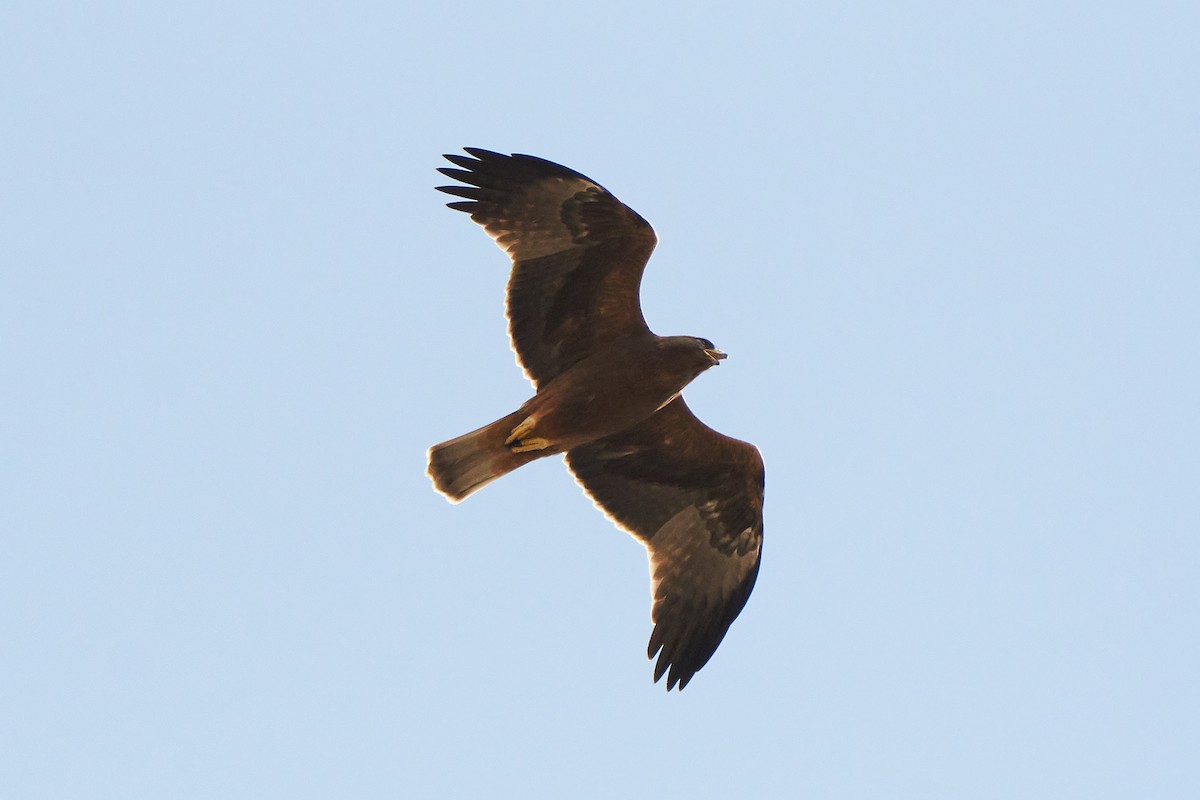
[(716, 355)]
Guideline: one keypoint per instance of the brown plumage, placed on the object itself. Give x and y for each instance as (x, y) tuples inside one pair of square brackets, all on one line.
[(608, 396)]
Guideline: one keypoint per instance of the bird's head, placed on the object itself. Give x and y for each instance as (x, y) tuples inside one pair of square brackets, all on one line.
[(710, 351), (691, 354)]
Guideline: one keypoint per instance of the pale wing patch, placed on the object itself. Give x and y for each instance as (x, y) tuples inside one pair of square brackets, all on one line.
[(540, 230), (682, 558), (679, 554)]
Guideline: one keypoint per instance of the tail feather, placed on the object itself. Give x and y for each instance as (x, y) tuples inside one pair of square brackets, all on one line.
[(467, 463)]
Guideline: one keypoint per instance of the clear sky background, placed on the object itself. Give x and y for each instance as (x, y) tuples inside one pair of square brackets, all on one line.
[(953, 251)]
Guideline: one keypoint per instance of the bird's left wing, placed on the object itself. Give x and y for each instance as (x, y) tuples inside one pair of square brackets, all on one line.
[(577, 255), (694, 498)]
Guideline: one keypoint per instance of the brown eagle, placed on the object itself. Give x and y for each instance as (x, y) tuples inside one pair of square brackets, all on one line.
[(608, 395)]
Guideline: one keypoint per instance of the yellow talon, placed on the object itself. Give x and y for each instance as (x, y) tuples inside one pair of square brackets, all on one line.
[(525, 445), (518, 433)]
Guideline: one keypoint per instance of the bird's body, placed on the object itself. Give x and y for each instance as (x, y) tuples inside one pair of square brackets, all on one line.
[(591, 400), (608, 396)]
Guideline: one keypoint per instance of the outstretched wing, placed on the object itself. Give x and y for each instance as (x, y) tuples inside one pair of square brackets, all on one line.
[(694, 498), (578, 254)]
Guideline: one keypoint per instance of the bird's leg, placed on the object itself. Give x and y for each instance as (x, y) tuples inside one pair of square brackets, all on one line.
[(522, 428), (527, 445), (519, 440)]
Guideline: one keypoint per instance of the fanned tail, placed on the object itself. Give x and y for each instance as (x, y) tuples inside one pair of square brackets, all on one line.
[(465, 464)]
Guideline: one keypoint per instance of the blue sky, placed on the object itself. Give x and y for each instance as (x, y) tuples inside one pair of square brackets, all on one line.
[(952, 251)]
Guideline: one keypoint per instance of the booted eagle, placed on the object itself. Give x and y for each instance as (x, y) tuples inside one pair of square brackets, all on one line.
[(608, 395)]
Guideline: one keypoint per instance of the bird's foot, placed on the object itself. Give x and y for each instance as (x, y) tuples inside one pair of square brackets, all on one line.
[(521, 442), (534, 443), (523, 428)]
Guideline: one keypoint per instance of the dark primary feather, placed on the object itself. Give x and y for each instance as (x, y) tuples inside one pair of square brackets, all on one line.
[(578, 254), (694, 498)]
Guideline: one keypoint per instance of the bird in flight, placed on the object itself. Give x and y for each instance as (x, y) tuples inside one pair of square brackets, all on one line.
[(608, 396)]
